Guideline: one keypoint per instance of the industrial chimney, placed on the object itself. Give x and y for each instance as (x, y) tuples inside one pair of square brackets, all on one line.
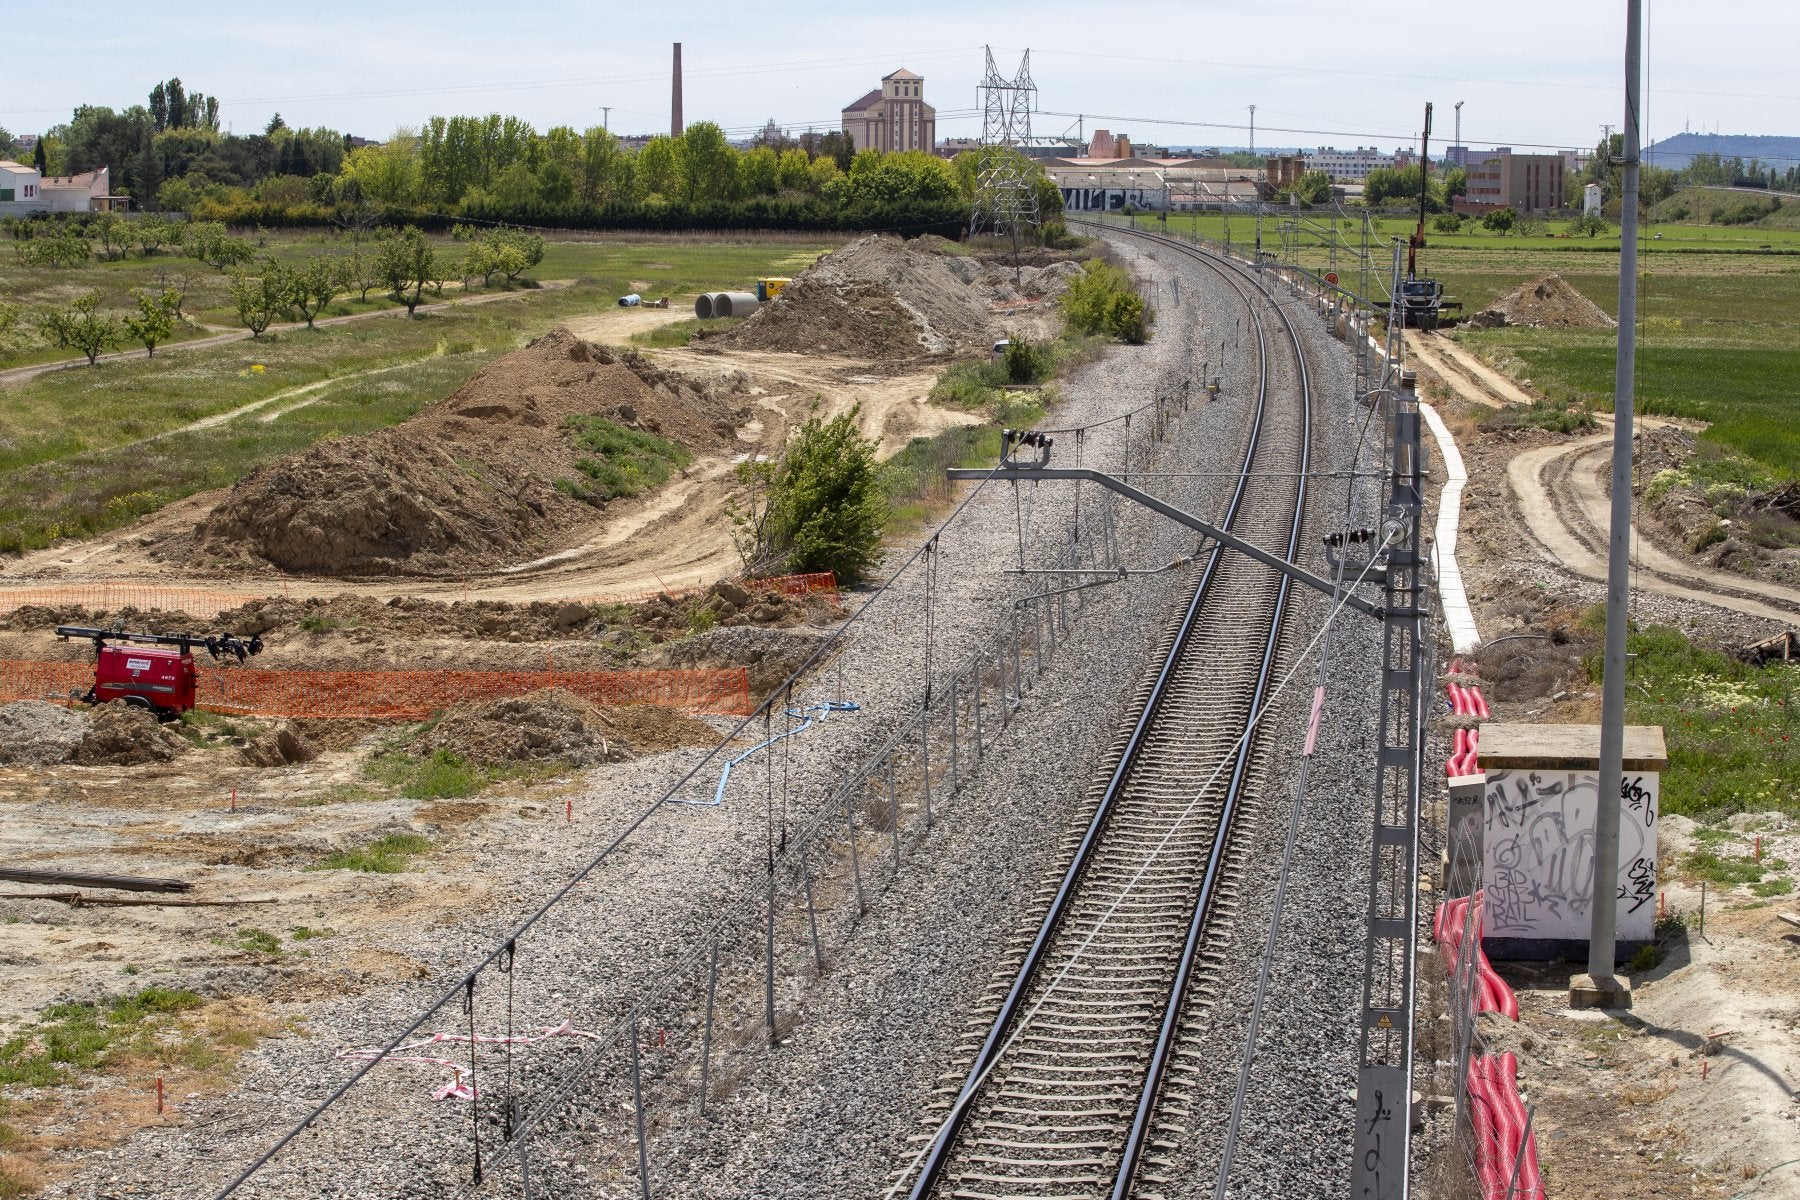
[(675, 97)]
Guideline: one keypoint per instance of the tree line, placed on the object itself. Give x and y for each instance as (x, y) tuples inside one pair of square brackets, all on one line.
[(169, 155)]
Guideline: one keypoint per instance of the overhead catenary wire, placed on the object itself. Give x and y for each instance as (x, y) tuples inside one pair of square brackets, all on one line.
[(1155, 854)]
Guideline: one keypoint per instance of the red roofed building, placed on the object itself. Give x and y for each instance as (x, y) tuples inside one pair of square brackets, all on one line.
[(894, 116)]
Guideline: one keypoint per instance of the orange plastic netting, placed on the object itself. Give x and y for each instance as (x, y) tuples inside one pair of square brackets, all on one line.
[(400, 695)]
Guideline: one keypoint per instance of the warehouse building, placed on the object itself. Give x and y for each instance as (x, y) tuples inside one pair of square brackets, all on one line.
[(1152, 184)]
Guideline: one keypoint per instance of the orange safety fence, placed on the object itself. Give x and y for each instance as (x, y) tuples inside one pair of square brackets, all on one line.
[(107, 597), (400, 695), (202, 602)]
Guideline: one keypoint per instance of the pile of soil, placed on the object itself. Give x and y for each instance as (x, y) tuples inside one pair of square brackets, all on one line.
[(119, 734), (882, 297), (556, 725), (467, 483), (282, 746), (552, 725), (770, 655), (1548, 302), (36, 734), (651, 728)]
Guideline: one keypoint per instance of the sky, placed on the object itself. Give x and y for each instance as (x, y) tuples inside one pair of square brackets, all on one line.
[(1534, 74)]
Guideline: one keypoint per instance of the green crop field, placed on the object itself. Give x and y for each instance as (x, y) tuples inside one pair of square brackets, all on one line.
[(1718, 316), (84, 450)]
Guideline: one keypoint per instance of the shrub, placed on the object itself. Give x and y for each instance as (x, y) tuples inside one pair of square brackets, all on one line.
[(820, 508), (1501, 220), (1102, 301), (1027, 361), (1447, 222)]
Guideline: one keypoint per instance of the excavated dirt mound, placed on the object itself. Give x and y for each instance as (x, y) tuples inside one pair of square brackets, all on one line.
[(282, 620), (544, 726), (469, 482), (770, 655), (885, 298), (282, 746), (33, 733), (651, 728), (121, 735), (1547, 302)]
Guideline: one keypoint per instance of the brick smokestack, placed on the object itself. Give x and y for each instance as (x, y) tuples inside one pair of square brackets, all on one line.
[(675, 97)]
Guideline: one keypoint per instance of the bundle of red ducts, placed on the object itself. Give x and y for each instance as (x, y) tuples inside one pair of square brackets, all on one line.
[(1464, 702), (1490, 993), (1506, 1162)]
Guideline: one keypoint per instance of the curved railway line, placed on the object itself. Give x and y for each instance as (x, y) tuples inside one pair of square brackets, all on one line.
[(1071, 1088)]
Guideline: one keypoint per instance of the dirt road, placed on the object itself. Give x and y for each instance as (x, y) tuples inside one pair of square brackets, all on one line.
[(676, 537), (1560, 492)]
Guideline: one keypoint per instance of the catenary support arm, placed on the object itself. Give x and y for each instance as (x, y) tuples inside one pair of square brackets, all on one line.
[(1180, 517)]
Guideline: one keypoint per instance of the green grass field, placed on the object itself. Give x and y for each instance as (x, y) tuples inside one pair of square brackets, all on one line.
[(74, 459), (1718, 305)]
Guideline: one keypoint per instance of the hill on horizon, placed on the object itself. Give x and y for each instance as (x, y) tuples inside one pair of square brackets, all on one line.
[(1675, 152)]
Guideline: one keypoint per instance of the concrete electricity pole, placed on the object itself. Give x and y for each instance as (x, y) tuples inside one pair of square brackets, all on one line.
[(1459, 153), (1603, 934), (1253, 129), (606, 117)]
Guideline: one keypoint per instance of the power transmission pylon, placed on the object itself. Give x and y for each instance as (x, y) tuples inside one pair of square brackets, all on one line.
[(1005, 191)]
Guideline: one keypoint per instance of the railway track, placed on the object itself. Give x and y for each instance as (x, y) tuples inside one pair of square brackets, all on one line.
[(1078, 1084)]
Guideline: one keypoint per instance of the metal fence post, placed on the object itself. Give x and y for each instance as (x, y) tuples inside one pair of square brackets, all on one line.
[(955, 732), (855, 855), (637, 1105), (980, 670), (893, 811), (769, 959), (1519, 1158), (812, 918), (712, 989), (925, 759), (1018, 674)]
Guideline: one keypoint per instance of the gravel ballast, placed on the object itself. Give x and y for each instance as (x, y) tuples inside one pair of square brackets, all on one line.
[(829, 1112)]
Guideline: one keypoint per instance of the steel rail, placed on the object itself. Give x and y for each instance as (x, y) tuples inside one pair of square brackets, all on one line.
[(938, 1156), (1155, 1073)]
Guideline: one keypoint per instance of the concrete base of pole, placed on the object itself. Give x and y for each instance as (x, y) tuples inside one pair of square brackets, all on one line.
[(1587, 992)]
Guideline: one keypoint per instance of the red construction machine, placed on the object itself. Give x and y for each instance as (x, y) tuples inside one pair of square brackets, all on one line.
[(163, 681)]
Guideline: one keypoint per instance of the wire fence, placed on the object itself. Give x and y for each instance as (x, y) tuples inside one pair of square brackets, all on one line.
[(1492, 1146), (555, 1064)]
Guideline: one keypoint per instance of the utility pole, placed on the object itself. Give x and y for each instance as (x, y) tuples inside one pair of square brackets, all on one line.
[(1603, 933), (1253, 129), (1459, 153), (606, 117)]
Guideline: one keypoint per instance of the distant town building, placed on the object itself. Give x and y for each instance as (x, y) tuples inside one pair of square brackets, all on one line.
[(1284, 171), (1037, 147), (23, 190), (894, 116), (1153, 184), (1523, 182), (1355, 165)]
